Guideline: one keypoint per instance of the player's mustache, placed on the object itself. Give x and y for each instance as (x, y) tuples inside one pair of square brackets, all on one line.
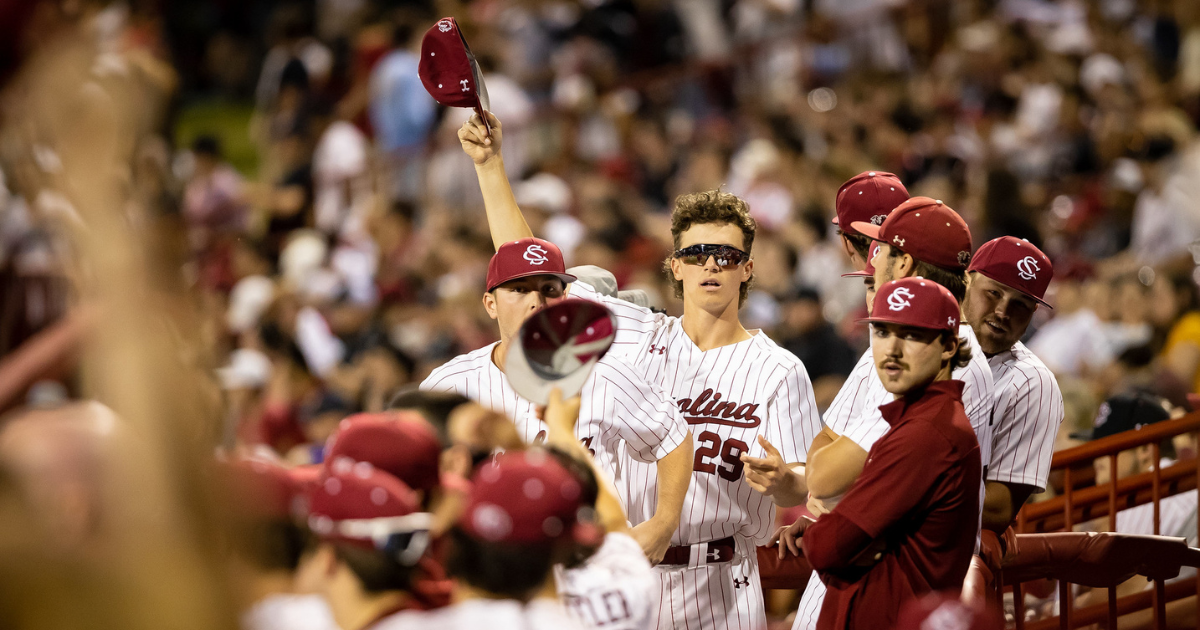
[(892, 361)]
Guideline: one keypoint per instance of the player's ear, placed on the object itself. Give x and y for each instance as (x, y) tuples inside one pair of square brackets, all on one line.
[(747, 270), (489, 304), (848, 248), (676, 268), (949, 346), (907, 263)]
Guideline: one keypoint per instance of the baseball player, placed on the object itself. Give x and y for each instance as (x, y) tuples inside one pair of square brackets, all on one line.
[(611, 589), (1006, 283), (622, 410), (526, 513), (906, 526), (739, 391), (920, 237)]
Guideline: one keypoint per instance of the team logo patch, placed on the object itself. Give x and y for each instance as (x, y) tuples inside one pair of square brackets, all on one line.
[(1027, 268), (444, 26), (536, 255), (878, 219), (964, 258), (900, 299)]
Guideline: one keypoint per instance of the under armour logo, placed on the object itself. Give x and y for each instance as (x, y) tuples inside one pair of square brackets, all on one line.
[(464, 83), (658, 349), (444, 26), (897, 240), (742, 582), (900, 299), (878, 219), (950, 322), (1027, 268), (715, 555), (536, 255)]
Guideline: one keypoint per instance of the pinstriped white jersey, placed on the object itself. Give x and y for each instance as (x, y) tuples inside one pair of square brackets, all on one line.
[(615, 589), (618, 409), (1029, 410), (855, 414), (729, 396)]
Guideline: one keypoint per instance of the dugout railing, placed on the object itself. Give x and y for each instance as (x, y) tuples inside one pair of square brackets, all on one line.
[(1081, 501)]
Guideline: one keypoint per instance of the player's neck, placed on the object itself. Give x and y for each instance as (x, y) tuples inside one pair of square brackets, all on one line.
[(499, 351), (463, 592), (708, 329)]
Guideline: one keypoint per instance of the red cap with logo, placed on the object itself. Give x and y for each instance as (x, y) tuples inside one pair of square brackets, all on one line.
[(1015, 263), (869, 270), (915, 302), (398, 442), (527, 497), (868, 197), (526, 257), (927, 230), (361, 504), (449, 70)]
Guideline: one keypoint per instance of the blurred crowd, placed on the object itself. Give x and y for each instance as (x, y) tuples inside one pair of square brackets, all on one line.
[(348, 258)]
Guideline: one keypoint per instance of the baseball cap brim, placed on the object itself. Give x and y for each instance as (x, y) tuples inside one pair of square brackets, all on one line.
[(1017, 289), (858, 274), (884, 320), (867, 229), (565, 277), (534, 383)]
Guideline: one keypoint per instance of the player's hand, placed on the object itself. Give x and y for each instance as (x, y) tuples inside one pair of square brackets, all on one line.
[(767, 474), (788, 538), (475, 140), (654, 537)]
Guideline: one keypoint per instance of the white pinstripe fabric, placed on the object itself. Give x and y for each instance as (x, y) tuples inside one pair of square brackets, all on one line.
[(855, 414), (619, 409), (729, 395), (1029, 411), (614, 590)]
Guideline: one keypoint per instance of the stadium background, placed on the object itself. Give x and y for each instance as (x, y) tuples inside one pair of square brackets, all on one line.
[(329, 229)]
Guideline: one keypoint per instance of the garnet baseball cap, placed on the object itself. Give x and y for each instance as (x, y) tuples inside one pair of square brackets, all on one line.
[(527, 497), (927, 230), (449, 70), (526, 257), (1015, 263), (401, 443), (869, 270), (915, 302), (868, 197), (365, 506), (558, 346)]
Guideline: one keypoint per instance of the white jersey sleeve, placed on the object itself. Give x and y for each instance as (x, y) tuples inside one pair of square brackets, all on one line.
[(632, 409), (1028, 413), (612, 590), (635, 324), (792, 418)]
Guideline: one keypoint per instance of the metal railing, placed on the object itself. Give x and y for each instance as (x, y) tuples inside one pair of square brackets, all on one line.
[(1082, 504)]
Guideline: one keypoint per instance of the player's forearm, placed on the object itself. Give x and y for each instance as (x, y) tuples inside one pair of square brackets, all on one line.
[(674, 476), (504, 216), (833, 469)]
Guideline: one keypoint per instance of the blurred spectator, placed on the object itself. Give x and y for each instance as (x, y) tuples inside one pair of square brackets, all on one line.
[(402, 112), (827, 356)]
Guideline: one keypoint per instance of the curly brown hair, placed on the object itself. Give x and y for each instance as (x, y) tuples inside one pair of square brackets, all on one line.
[(710, 206)]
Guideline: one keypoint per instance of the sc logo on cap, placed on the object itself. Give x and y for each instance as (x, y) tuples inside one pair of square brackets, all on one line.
[(1027, 268), (535, 254), (900, 299), (444, 26)]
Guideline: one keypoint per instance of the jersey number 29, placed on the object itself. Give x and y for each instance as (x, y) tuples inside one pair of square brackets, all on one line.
[(714, 456)]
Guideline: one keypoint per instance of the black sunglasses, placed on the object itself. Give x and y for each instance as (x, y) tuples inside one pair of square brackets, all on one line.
[(727, 257)]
